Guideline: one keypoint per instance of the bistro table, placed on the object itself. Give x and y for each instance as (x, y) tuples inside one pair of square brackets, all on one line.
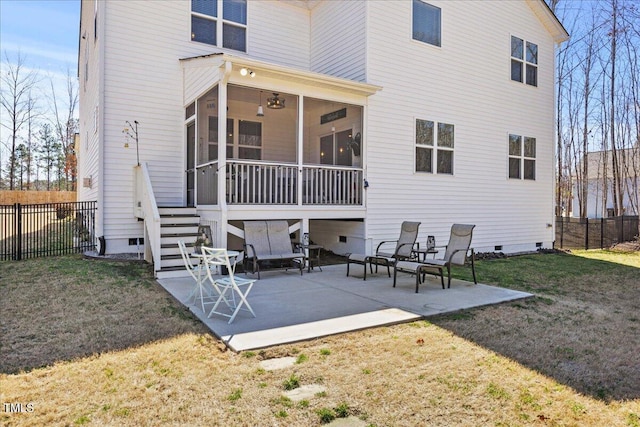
[(424, 253)]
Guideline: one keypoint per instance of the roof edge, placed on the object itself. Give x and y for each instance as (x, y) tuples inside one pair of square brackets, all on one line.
[(289, 72), (549, 20)]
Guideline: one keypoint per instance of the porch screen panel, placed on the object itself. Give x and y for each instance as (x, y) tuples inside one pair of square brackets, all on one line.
[(249, 140), (343, 152), (212, 140), (326, 150)]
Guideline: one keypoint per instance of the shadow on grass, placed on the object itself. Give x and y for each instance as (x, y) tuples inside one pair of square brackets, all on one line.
[(62, 308), (582, 328)]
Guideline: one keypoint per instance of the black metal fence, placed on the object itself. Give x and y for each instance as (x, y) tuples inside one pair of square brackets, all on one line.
[(594, 233), (29, 231)]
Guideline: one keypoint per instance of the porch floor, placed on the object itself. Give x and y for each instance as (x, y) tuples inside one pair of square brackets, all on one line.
[(290, 307)]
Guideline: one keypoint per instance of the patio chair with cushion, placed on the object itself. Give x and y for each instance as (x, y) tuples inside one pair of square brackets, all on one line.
[(269, 242), (404, 247), (456, 253)]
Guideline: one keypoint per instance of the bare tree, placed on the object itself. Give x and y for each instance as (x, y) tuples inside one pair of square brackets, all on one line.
[(31, 117), (615, 166), (598, 105), (65, 127), (17, 84)]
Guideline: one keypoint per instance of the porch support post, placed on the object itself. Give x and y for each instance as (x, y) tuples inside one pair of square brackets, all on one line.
[(300, 151), (304, 228), (222, 152)]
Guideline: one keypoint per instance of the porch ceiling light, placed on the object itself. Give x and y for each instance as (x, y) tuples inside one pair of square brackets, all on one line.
[(260, 110), (275, 103)]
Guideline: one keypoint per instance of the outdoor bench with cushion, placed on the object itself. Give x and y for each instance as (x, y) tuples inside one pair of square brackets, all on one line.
[(269, 242)]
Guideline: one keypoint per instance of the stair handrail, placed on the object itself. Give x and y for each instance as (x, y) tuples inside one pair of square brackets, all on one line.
[(145, 207)]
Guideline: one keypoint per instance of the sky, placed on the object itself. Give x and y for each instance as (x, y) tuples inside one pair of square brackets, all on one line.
[(44, 32)]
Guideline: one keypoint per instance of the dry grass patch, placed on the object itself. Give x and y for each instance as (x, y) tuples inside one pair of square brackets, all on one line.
[(406, 375)]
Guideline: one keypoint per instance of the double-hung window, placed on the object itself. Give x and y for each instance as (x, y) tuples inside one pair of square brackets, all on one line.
[(434, 147), (249, 140), (524, 61), (522, 157), (426, 23), (227, 31)]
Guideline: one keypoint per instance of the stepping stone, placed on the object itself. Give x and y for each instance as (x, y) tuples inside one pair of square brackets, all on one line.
[(304, 392), (279, 363), (347, 422)]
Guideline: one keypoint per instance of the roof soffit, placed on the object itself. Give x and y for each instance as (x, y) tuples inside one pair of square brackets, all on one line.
[(549, 20), (282, 73)]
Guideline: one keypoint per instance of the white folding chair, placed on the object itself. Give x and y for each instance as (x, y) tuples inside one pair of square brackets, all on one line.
[(199, 274), (227, 286), (197, 271)]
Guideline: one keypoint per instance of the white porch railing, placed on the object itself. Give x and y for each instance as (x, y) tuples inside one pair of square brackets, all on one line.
[(261, 184), (145, 207), (331, 185), (267, 183)]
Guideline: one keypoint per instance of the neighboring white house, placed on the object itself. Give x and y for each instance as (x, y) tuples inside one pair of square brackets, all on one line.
[(597, 205), (385, 111)]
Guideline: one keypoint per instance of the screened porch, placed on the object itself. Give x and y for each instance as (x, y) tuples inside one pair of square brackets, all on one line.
[(279, 149)]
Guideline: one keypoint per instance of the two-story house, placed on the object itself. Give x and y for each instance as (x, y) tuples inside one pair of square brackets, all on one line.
[(343, 117)]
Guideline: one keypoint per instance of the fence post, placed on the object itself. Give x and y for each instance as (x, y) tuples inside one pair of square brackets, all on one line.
[(586, 233), (601, 233), (17, 253)]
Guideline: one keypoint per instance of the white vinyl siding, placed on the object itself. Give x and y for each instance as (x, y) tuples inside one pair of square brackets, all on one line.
[(89, 150), (144, 82), (463, 83), (338, 39), (279, 33)]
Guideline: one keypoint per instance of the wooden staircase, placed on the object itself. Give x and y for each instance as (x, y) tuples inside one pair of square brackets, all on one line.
[(175, 224)]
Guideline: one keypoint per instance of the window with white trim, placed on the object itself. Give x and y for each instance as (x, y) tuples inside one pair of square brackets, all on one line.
[(426, 23), (524, 61), (434, 147), (249, 140), (227, 31), (522, 157)]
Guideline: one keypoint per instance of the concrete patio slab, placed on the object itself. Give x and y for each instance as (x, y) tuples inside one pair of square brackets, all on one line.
[(290, 307)]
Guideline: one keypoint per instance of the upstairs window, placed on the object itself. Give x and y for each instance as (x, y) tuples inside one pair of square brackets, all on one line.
[(434, 147), (522, 157), (524, 61), (426, 23), (229, 32)]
